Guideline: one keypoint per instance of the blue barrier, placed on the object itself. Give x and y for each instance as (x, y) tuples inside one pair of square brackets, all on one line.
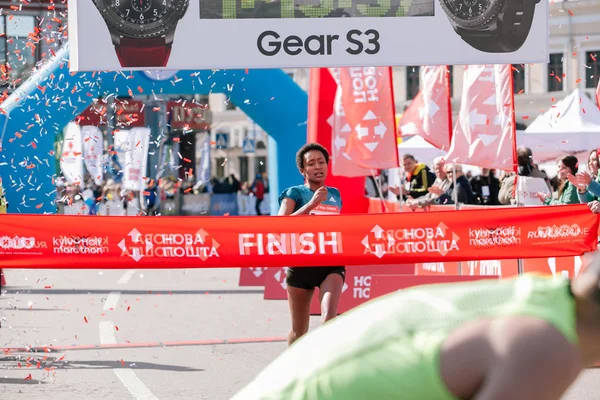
[(53, 97)]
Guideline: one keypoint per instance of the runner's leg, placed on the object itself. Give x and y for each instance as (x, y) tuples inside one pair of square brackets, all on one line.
[(329, 293), (299, 302)]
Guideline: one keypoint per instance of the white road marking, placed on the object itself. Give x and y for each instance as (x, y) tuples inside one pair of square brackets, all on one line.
[(111, 301), (135, 386), (126, 277)]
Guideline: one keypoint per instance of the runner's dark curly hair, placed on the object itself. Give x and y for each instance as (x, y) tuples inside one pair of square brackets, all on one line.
[(310, 147)]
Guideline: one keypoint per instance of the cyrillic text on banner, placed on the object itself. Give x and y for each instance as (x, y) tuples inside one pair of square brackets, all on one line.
[(368, 101), (73, 241), (342, 163)]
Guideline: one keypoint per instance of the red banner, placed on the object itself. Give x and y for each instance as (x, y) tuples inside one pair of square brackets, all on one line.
[(252, 276), (76, 241), (368, 102), (429, 115), (342, 163), (385, 284), (566, 267), (187, 116), (320, 107), (485, 133)]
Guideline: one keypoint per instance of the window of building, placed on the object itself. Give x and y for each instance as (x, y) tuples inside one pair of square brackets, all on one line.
[(229, 104), (555, 73), (592, 69), (243, 169), (261, 165), (412, 82), (220, 173), (518, 71)]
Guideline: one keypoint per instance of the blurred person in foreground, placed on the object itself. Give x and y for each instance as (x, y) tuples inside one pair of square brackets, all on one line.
[(567, 192), (522, 338)]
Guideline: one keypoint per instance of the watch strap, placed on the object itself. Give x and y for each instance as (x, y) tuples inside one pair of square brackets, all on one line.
[(152, 52), (514, 24)]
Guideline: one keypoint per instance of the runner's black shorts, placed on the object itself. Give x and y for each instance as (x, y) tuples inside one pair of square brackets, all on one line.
[(310, 277)]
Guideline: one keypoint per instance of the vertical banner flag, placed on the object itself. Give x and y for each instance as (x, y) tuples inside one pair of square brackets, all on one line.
[(484, 134), (430, 113), (368, 101), (136, 158), (71, 161), (322, 89), (342, 163), (93, 149)]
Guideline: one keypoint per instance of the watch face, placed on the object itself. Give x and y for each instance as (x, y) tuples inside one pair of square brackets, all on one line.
[(472, 13), (142, 18)]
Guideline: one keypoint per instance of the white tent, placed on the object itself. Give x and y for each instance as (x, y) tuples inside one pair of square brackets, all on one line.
[(420, 148), (570, 126)]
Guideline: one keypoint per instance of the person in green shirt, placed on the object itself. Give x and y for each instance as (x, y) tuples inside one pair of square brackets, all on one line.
[(588, 182), (521, 338), (567, 191)]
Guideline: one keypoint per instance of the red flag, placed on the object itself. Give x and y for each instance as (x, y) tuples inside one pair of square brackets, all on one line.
[(430, 114), (484, 134), (342, 162), (368, 103), (320, 107)]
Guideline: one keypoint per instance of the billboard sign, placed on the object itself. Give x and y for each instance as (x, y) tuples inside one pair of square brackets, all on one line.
[(204, 34)]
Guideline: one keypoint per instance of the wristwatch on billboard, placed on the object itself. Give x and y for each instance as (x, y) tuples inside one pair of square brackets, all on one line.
[(492, 26), (142, 31)]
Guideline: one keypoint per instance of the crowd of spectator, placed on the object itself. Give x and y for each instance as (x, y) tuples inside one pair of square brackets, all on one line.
[(111, 198), (447, 183)]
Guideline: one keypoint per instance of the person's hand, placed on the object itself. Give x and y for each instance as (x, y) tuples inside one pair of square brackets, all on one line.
[(584, 177), (435, 190), (594, 206), (319, 196), (575, 181), (542, 196)]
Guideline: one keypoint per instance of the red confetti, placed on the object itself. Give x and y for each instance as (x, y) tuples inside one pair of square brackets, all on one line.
[(526, 117), (85, 319), (116, 327), (28, 377), (140, 89), (48, 287), (571, 13), (128, 308)]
